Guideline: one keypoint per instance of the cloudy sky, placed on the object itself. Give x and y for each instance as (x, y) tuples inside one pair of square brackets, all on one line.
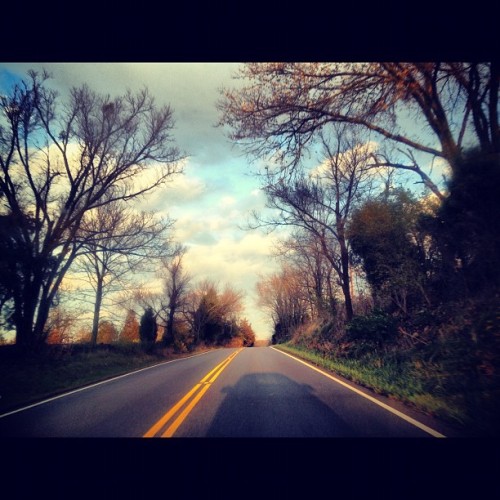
[(212, 199)]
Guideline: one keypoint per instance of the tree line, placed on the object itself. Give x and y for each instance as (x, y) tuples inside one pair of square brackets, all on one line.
[(72, 171), (184, 314)]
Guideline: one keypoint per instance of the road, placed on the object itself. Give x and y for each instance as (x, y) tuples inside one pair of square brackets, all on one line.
[(250, 392)]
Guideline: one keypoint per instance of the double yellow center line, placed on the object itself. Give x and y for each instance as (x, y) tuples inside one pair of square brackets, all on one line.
[(188, 402)]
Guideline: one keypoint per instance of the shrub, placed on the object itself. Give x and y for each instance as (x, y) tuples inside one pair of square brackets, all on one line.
[(148, 329), (376, 328)]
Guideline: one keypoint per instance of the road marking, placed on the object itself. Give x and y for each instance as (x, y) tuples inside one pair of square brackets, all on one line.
[(189, 401), (410, 420), (97, 383)]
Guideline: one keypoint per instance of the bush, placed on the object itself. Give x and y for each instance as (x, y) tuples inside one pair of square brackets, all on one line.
[(148, 330), (377, 328)]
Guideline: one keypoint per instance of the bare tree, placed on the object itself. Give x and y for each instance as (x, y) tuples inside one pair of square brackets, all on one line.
[(142, 297), (282, 295), (320, 202), (304, 252), (118, 240), (176, 287), (284, 105), (169, 305), (59, 161)]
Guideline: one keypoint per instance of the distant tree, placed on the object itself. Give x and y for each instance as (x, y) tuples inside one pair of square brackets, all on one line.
[(214, 312), (207, 321), (148, 329), (107, 333), (142, 297), (176, 287), (304, 252), (59, 325), (282, 295), (83, 335), (130, 330), (117, 242), (247, 333), (58, 162)]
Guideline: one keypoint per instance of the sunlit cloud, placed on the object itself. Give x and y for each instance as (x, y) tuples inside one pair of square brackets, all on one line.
[(227, 201), (322, 170)]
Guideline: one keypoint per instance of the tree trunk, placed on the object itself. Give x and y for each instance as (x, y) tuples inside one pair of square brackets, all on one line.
[(40, 335), (24, 315), (493, 107), (97, 311), (24, 329), (345, 275), (168, 336), (349, 312)]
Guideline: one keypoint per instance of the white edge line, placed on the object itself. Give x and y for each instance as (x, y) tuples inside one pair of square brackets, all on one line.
[(96, 384), (411, 420)]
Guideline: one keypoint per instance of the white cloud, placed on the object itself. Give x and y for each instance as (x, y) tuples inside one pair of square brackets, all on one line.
[(184, 188), (227, 201), (323, 168)]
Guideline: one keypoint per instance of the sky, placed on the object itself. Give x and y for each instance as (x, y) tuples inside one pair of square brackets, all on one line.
[(211, 201)]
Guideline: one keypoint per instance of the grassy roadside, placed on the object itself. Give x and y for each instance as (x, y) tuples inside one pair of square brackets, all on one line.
[(30, 378), (387, 378)]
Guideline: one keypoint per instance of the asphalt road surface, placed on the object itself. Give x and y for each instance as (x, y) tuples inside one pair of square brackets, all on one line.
[(250, 392)]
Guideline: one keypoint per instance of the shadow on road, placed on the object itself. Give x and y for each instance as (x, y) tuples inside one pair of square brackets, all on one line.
[(272, 405)]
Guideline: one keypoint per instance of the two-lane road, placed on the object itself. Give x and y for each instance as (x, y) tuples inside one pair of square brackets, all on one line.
[(251, 392)]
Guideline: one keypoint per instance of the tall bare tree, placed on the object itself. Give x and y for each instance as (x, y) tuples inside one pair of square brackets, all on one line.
[(281, 107), (169, 304), (60, 160), (117, 241), (176, 287), (320, 202)]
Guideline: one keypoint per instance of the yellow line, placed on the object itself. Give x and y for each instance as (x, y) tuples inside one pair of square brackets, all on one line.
[(204, 384), (178, 421), (156, 427)]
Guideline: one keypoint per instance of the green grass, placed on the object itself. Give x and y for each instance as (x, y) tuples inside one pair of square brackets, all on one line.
[(30, 378), (386, 377)]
